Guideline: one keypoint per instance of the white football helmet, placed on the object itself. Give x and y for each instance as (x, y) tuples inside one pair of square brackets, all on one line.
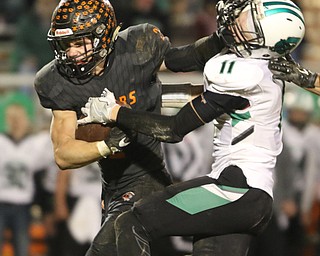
[(260, 28)]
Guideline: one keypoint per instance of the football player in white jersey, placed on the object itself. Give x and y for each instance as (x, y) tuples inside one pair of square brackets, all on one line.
[(22, 154), (234, 202)]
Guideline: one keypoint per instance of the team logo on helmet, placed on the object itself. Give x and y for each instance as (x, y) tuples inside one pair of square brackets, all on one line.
[(63, 32)]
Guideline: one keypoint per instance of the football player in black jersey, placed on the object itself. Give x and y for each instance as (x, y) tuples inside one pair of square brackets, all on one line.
[(92, 55)]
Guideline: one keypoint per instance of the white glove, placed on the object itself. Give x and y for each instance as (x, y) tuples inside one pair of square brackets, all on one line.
[(98, 109)]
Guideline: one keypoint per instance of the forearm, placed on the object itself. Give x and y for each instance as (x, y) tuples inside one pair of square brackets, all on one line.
[(194, 56), (69, 152), (200, 110), (170, 129), (76, 153)]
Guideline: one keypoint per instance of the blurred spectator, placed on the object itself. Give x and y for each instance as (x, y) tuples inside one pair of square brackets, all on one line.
[(181, 22), (192, 157), (272, 242), (134, 12), (11, 10), (77, 191), (164, 5), (310, 202), (20, 159), (31, 49), (205, 20), (13, 97), (64, 198), (297, 131), (295, 182), (45, 199)]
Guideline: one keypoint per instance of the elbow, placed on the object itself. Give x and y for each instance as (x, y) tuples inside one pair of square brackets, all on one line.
[(176, 139), (169, 134), (172, 138), (61, 162)]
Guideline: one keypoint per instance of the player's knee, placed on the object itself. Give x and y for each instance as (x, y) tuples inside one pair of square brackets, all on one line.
[(106, 249), (127, 223), (130, 235), (124, 222)]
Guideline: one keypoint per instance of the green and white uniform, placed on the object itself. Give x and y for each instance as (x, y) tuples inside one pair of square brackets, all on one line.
[(234, 201), (249, 138)]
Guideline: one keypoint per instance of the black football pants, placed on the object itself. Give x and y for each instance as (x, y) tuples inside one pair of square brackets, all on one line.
[(197, 208), (105, 243)]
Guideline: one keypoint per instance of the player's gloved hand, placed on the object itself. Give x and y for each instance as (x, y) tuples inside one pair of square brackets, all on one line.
[(117, 140), (98, 109), (286, 69), (226, 36)]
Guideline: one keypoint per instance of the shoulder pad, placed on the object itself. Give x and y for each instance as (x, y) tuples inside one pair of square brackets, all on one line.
[(48, 85), (142, 31), (145, 43), (47, 81), (230, 73)]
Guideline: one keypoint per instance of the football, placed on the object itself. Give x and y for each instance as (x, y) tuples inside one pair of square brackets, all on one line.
[(93, 132)]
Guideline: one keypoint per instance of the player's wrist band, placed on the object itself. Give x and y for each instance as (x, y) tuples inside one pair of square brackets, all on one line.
[(104, 150)]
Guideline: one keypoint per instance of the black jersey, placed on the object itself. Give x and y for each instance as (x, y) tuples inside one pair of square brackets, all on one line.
[(131, 74)]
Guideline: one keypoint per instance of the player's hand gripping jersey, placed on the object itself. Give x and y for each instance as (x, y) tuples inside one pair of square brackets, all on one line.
[(249, 138)]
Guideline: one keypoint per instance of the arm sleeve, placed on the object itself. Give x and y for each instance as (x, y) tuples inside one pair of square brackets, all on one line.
[(172, 129), (193, 57)]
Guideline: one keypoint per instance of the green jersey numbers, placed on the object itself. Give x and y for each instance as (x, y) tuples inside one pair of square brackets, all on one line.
[(227, 66)]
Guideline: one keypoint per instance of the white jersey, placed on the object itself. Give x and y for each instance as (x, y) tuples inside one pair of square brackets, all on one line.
[(18, 163), (250, 138), (86, 181)]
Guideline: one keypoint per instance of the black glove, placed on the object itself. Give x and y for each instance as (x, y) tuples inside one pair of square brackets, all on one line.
[(286, 69), (226, 36), (117, 140)]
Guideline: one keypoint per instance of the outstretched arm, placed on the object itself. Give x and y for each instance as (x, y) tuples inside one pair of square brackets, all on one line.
[(199, 111), (193, 57)]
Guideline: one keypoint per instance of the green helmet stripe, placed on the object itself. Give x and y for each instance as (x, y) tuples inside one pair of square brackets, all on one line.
[(281, 3), (279, 10)]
